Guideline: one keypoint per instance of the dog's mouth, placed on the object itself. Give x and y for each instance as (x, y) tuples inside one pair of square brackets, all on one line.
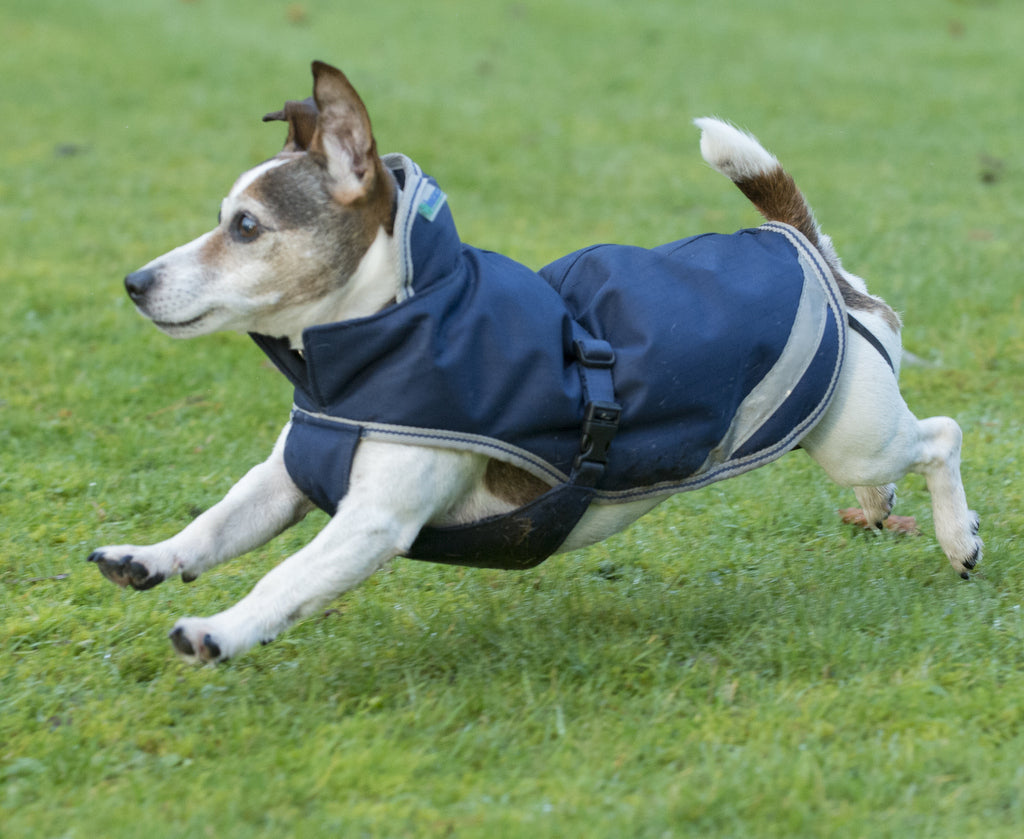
[(178, 326)]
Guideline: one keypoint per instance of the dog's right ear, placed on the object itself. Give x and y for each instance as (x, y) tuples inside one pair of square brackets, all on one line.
[(301, 119), (343, 138)]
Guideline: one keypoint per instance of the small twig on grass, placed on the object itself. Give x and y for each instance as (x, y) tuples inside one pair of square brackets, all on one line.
[(46, 579), (187, 402)]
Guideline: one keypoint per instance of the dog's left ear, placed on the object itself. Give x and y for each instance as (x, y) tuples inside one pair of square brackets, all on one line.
[(343, 136), (301, 119)]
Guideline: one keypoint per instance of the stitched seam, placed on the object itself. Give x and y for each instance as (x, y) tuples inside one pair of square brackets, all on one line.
[(465, 441)]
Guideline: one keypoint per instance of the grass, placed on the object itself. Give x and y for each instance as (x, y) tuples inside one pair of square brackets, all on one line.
[(736, 664)]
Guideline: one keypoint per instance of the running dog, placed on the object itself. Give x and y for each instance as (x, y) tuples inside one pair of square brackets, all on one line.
[(453, 405)]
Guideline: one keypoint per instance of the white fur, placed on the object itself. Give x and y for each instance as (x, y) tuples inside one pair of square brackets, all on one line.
[(367, 291), (868, 440), (734, 153)]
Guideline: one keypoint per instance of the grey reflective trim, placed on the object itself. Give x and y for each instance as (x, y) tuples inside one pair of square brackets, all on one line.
[(409, 198), (768, 395), (462, 441)]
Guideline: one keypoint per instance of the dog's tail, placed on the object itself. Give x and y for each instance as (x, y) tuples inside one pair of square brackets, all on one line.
[(759, 175)]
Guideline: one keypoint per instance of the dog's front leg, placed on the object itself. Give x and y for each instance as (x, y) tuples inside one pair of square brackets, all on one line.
[(262, 504), (393, 492)]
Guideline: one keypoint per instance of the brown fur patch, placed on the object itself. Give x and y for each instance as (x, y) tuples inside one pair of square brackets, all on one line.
[(511, 484), (777, 197), (858, 301), (299, 193)]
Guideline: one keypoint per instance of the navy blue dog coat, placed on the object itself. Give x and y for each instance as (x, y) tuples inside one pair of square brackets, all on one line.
[(613, 374)]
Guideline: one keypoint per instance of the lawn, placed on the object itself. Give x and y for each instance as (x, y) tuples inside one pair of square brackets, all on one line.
[(738, 663)]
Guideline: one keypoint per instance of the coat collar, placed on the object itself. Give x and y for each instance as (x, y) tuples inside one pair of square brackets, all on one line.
[(425, 235)]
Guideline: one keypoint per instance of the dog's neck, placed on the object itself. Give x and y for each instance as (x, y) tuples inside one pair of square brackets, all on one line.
[(373, 286)]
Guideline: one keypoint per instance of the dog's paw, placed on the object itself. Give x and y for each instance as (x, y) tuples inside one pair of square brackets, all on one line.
[(215, 639), (967, 556), (126, 566), (196, 640)]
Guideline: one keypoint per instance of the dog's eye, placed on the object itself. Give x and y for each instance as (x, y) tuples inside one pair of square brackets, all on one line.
[(245, 227)]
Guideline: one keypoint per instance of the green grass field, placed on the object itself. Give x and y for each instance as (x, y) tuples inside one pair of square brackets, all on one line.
[(738, 663)]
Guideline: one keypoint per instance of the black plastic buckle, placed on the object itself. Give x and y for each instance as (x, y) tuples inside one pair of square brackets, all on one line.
[(600, 422), (594, 353)]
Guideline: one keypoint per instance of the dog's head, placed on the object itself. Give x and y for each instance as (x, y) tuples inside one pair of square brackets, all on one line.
[(304, 238)]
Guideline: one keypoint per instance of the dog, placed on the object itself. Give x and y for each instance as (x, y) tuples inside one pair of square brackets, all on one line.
[(317, 254)]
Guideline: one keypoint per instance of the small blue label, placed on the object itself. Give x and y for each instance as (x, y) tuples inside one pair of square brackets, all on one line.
[(432, 203)]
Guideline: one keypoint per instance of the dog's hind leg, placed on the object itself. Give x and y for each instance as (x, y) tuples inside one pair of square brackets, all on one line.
[(877, 503), (929, 447), (956, 526), (869, 439)]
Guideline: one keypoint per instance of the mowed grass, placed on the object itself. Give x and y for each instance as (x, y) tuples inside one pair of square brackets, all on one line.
[(738, 663)]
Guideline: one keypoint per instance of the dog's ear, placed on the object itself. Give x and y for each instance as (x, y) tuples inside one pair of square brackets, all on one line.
[(301, 119), (343, 137)]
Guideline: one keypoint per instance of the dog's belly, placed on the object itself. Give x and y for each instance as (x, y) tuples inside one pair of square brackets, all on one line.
[(499, 489), (603, 520), (506, 487)]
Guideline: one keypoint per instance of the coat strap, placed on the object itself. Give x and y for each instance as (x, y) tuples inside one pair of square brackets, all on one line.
[(869, 336), (525, 537), (595, 359)]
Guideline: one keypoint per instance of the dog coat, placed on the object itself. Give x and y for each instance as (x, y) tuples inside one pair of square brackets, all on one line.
[(613, 374)]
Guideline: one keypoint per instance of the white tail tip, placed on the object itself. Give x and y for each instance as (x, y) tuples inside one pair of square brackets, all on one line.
[(735, 153)]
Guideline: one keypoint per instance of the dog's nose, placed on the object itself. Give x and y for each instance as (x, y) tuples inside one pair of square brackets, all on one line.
[(139, 282)]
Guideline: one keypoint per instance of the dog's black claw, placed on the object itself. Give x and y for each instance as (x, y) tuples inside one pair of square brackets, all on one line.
[(972, 560), (139, 577), (187, 577), (211, 646), (964, 575), (180, 642)]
